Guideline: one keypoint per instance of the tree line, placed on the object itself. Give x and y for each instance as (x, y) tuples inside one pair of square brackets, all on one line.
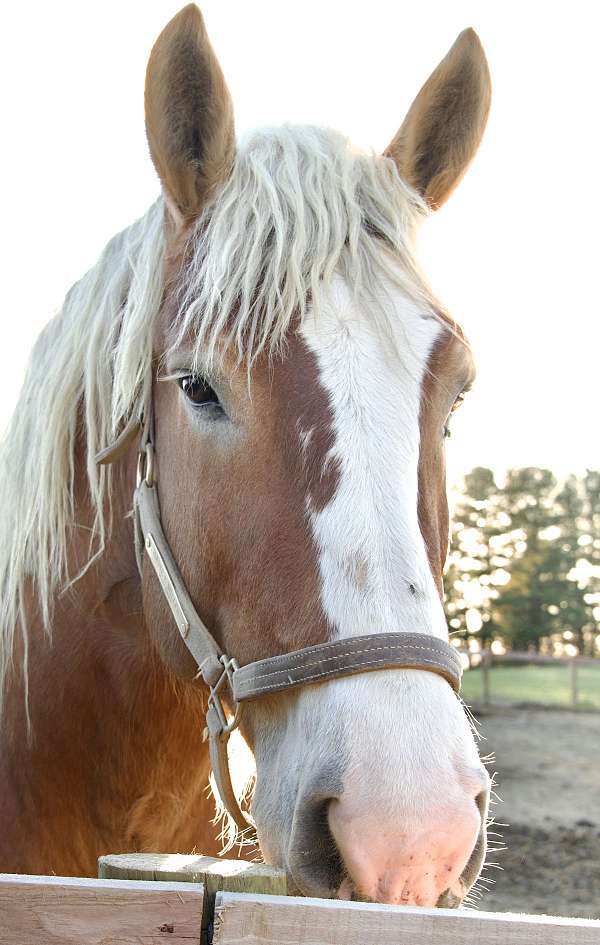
[(524, 564)]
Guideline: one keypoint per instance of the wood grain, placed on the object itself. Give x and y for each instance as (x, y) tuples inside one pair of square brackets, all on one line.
[(52, 910), (213, 872), (271, 920)]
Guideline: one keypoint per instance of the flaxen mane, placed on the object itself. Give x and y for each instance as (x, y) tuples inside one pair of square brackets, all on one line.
[(299, 205)]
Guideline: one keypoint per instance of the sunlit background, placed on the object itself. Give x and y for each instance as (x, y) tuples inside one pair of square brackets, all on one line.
[(513, 254)]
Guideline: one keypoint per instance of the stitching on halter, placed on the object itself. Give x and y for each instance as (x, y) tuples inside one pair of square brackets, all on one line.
[(361, 664), (377, 649)]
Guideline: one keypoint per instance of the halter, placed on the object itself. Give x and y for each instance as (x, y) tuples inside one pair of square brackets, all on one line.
[(220, 672)]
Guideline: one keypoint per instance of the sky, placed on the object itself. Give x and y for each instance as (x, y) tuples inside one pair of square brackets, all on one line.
[(512, 254)]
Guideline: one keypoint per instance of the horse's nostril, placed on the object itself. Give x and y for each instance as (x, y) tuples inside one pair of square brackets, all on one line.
[(314, 860), (476, 860), (482, 801)]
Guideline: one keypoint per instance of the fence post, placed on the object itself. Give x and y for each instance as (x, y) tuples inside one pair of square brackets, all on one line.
[(573, 677), (215, 874)]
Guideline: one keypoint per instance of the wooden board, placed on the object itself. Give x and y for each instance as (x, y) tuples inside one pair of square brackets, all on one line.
[(52, 910), (271, 920), (213, 872)]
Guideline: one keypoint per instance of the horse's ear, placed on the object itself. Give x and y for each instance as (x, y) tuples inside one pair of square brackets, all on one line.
[(189, 115), (443, 128)]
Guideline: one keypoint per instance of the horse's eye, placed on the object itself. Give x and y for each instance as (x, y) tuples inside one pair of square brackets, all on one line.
[(197, 390), (457, 403)]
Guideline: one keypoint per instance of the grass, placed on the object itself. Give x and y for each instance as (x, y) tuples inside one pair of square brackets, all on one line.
[(545, 685)]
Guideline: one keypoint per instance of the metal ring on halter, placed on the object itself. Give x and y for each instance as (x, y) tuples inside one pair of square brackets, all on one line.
[(230, 665), (145, 466)]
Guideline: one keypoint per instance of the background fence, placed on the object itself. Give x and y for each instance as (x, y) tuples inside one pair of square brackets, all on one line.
[(515, 677)]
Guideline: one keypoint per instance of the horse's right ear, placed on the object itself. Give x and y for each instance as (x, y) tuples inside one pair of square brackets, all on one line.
[(189, 115)]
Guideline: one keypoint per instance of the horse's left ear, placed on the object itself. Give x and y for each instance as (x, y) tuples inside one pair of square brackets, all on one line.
[(189, 115), (446, 121)]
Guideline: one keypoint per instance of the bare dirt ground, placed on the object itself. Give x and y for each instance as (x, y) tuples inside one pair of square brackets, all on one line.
[(548, 773)]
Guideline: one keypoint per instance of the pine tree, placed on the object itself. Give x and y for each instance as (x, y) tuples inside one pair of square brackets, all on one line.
[(525, 559), (530, 604)]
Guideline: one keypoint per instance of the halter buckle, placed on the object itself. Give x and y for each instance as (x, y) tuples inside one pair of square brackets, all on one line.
[(230, 665), (145, 466)]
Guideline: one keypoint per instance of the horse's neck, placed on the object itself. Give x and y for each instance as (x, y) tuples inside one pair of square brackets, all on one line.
[(115, 760)]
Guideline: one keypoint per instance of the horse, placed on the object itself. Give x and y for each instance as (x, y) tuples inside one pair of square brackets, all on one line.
[(266, 330)]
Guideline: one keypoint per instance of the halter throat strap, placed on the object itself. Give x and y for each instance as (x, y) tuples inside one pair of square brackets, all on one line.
[(241, 684)]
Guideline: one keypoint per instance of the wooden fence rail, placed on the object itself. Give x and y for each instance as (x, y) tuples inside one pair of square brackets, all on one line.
[(48, 910), (511, 657), (275, 920), (55, 910)]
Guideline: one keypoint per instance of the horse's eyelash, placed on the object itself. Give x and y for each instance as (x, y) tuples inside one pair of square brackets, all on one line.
[(463, 394), (175, 375)]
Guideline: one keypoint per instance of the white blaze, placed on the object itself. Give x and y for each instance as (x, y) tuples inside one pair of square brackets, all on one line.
[(373, 562), (406, 771), (406, 821)]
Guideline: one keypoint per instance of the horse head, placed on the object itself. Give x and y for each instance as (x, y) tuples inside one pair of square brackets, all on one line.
[(305, 376)]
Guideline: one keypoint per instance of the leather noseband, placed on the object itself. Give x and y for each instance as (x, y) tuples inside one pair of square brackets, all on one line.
[(220, 672)]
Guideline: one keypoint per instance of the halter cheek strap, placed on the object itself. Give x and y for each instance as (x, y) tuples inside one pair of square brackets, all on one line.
[(241, 684)]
